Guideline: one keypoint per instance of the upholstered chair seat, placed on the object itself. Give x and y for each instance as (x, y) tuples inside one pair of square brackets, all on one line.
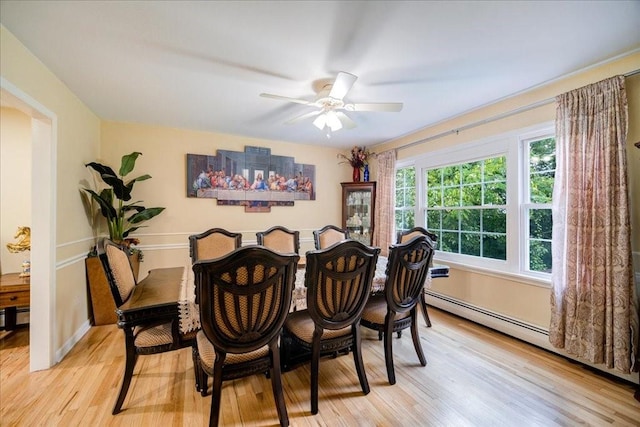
[(376, 310), (302, 326), (153, 336), (208, 354)]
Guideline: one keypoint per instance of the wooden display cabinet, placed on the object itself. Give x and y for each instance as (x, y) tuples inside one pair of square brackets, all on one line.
[(358, 207)]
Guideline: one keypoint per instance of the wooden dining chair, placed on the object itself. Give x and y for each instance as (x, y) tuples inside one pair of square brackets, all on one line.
[(148, 336), (280, 239), (338, 281), (328, 235), (244, 300), (395, 309), (213, 243), (405, 236)]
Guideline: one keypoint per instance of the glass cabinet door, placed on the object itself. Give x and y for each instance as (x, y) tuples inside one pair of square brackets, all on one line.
[(358, 204)]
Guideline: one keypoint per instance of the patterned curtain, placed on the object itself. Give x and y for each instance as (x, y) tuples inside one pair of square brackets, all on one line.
[(385, 201), (593, 306)]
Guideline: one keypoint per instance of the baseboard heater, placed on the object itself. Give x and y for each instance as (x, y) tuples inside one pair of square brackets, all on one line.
[(524, 331)]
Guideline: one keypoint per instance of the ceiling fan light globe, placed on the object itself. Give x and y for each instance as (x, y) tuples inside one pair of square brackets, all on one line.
[(333, 121), (320, 121)]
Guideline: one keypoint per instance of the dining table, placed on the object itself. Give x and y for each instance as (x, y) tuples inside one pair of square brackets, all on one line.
[(190, 315), (155, 297)]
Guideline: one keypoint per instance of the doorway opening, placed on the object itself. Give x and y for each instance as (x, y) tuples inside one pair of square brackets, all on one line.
[(43, 220)]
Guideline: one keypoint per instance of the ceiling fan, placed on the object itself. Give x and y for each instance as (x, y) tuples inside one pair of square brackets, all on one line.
[(330, 104)]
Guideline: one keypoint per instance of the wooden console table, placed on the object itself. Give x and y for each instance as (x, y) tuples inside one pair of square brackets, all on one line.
[(14, 293)]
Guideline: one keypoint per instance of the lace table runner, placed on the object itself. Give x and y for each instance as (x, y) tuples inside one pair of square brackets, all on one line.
[(189, 311)]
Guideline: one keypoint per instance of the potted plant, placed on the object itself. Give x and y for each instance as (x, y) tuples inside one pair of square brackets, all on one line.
[(113, 199), (123, 217)]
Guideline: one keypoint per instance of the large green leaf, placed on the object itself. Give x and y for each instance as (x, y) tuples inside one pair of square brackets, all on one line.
[(106, 207), (133, 181), (145, 215), (101, 169), (128, 162), (120, 190)]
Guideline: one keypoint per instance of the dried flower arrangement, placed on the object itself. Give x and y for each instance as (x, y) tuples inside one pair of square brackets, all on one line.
[(358, 157)]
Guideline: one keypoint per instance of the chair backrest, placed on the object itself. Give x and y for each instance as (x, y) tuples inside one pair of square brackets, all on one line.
[(213, 243), (328, 235), (280, 239), (245, 297), (338, 281), (117, 267), (407, 269), (405, 236)]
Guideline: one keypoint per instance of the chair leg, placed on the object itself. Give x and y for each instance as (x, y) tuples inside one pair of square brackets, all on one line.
[(423, 305), (204, 382), (276, 384), (196, 365), (416, 338), (388, 350), (130, 363), (315, 368), (357, 358), (216, 393)]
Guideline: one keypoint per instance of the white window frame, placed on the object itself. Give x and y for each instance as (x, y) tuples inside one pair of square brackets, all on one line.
[(403, 165), (525, 203), (510, 145)]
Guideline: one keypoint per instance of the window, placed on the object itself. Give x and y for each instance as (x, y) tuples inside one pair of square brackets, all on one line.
[(466, 207), (488, 201), (541, 156), (405, 198)]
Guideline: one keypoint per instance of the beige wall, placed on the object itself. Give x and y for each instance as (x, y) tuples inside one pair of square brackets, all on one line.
[(15, 184), (518, 298), (164, 150), (77, 141)]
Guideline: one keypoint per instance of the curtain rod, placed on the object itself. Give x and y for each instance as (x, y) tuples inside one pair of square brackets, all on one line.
[(492, 119)]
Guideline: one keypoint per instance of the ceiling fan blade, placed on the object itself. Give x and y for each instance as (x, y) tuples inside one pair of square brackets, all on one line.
[(302, 117), (346, 121), (286, 98), (375, 106), (342, 85)]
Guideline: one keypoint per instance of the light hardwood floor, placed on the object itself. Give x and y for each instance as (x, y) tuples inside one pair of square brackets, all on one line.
[(474, 377)]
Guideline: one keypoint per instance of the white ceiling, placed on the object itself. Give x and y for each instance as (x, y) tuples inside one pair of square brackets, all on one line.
[(202, 65)]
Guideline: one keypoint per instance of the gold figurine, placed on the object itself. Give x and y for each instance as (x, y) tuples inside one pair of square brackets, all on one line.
[(24, 241), (23, 244)]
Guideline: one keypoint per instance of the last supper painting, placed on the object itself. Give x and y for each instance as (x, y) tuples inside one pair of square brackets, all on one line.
[(254, 178)]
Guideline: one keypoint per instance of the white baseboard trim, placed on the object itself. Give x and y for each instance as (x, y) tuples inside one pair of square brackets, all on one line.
[(527, 332), (68, 345)]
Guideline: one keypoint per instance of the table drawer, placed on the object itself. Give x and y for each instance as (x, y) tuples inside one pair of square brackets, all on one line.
[(14, 299)]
